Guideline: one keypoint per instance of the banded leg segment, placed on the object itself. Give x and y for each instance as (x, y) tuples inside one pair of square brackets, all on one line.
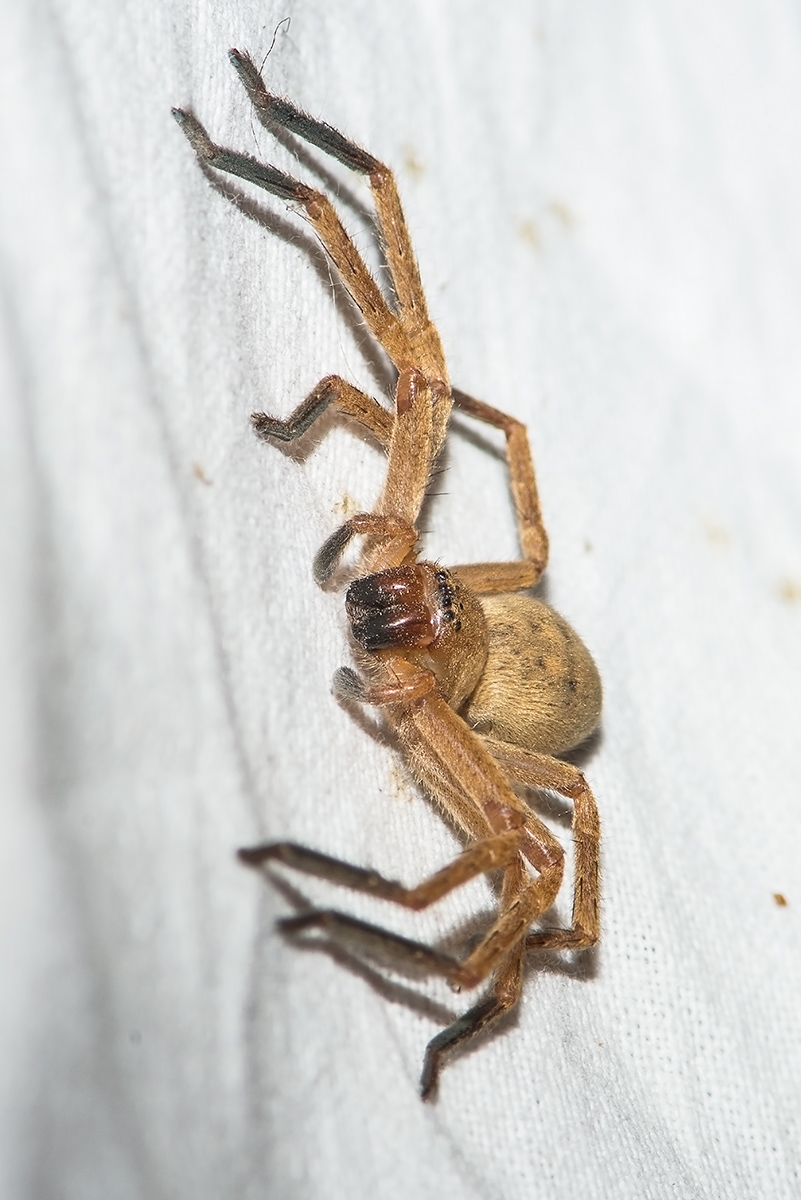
[(504, 577)]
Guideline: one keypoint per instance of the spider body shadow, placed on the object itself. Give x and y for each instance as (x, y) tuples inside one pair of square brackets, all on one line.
[(481, 683)]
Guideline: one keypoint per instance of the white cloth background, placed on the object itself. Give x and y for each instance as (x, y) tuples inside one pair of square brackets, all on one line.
[(606, 204)]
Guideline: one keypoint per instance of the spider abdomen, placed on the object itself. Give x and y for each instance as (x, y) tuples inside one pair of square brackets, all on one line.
[(540, 688)]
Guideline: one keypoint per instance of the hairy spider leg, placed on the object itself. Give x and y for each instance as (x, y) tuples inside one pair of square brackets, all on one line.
[(409, 338), (408, 479), (543, 771), (396, 242), (331, 392), (499, 953), (501, 998), (490, 854), (382, 322), (407, 476), (417, 342), (510, 576), (411, 454), (457, 769)]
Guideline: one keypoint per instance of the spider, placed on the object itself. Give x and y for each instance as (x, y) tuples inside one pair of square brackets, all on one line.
[(483, 684)]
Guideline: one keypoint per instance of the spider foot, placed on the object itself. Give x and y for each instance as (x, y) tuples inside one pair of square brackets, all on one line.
[(441, 1047), (394, 531), (329, 554), (348, 685)]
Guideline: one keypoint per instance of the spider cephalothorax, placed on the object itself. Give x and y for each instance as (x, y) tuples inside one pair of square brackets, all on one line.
[(482, 683), (426, 614)]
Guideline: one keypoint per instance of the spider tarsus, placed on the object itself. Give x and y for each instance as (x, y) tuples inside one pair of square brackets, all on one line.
[(440, 1048), (263, 175), (299, 123), (390, 950), (254, 856), (302, 419), (348, 685), (429, 1077), (266, 427), (247, 71), (330, 553), (242, 165), (195, 133)]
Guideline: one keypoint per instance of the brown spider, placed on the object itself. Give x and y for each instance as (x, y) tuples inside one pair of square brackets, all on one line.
[(482, 683)]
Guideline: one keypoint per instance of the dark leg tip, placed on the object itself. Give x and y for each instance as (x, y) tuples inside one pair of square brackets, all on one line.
[(430, 1076), (347, 685), (247, 71), (196, 135), (254, 856), (308, 920), (330, 552), (268, 427)]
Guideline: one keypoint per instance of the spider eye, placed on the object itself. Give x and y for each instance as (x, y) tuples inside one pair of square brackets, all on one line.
[(446, 598)]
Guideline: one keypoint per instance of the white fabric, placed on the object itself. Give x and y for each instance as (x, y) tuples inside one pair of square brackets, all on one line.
[(606, 204)]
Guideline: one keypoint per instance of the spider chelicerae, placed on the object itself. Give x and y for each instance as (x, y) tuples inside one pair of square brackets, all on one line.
[(482, 683)]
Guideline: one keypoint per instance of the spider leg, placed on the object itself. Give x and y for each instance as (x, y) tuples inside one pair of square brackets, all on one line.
[(505, 577), (486, 803), (528, 899), (422, 395), (490, 854), (409, 469), (455, 766), (500, 951), (331, 392), (418, 959), (415, 684), (543, 771), (401, 261), (389, 950), (394, 536), (502, 997), (402, 436), (415, 444), (383, 323)]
